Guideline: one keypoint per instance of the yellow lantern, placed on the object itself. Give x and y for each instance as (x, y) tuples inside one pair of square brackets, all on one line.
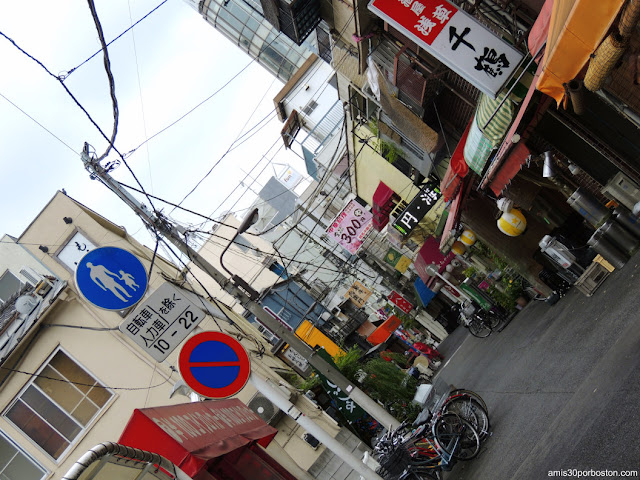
[(512, 223), (458, 248), (468, 238)]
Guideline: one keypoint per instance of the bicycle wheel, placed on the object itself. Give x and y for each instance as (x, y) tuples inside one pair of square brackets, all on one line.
[(479, 328), (492, 319), (469, 409), (456, 437), (469, 393)]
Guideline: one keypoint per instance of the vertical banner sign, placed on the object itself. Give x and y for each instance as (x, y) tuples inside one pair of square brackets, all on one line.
[(359, 294), (400, 302), (351, 226), (418, 208), (455, 38), (347, 407)]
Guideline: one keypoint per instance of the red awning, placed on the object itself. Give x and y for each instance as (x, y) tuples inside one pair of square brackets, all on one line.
[(454, 212), (192, 435), (510, 168), (430, 254), (491, 177), (457, 168), (383, 203)]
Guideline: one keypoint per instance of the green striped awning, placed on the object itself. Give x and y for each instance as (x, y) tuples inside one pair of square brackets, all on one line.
[(477, 148), (500, 122)]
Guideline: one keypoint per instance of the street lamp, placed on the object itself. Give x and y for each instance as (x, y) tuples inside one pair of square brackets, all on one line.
[(244, 226), (433, 271)]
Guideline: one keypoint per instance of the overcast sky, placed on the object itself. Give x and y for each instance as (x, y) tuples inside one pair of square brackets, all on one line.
[(169, 63)]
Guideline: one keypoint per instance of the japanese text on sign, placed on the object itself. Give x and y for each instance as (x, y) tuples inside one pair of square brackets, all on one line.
[(455, 38), (162, 322), (359, 294), (418, 208), (351, 226)]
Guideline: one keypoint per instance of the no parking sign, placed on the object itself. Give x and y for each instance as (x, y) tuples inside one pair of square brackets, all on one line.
[(214, 365)]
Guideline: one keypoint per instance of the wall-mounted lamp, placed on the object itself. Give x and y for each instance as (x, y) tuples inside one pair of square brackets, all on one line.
[(44, 249), (67, 220), (547, 169)]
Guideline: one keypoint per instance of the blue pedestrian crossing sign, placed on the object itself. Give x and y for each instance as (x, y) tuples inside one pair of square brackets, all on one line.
[(111, 278)]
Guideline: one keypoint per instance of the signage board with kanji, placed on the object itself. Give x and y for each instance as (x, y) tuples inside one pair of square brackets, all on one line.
[(162, 322), (418, 208), (400, 302), (455, 38), (359, 294), (351, 227)]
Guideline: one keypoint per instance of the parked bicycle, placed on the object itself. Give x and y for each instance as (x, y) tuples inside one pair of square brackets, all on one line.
[(479, 322), (451, 430)]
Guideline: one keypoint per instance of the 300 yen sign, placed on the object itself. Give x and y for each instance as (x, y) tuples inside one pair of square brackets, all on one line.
[(352, 229)]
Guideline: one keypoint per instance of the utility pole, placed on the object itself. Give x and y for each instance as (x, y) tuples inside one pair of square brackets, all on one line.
[(247, 298)]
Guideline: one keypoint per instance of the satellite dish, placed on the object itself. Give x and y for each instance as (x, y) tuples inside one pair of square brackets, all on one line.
[(25, 304)]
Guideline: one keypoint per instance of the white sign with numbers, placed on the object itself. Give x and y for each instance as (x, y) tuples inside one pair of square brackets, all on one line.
[(162, 322)]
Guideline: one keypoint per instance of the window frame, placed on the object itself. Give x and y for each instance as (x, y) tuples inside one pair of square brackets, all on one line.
[(65, 244), (84, 428), (25, 454)]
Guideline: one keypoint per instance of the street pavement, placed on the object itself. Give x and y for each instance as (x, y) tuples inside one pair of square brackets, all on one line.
[(561, 382)]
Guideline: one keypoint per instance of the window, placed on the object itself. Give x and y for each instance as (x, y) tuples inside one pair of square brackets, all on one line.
[(51, 410), (16, 464)]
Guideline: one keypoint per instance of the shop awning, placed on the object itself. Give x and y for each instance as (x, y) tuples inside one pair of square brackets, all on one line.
[(511, 166), (384, 331), (576, 29), (383, 203), (455, 211), (490, 122), (430, 254), (506, 163), (457, 169), (192, 435), (423, 293)]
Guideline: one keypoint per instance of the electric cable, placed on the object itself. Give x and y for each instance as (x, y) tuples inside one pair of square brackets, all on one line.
[(69, 72), (41, 126), (80, 384)]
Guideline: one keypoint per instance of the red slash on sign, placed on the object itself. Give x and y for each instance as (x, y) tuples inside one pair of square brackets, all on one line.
[(214, 365)]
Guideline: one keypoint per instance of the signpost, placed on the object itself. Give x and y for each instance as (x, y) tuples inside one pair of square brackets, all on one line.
[(214, 365), (111, 278), (162, 322), (455, 38)]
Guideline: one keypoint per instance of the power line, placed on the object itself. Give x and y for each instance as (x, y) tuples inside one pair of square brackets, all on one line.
[(66, 75), (80, 384), (39, 124)]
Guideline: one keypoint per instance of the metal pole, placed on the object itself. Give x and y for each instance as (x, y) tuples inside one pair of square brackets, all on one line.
[(174, 234), (278, 399)]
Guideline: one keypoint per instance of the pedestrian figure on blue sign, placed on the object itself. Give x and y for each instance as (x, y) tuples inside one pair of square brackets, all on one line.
[(128, 279), (105, 279)]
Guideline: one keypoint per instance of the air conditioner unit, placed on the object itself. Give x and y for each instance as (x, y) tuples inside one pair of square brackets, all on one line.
[(266, 410), (622, 189)]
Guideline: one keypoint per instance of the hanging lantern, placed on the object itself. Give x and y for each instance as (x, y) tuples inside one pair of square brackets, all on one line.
[(458, 248), (468, 238), (512, 223)]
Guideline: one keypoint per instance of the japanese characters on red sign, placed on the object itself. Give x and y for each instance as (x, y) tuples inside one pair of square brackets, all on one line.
[(455, 38), (400, 302)]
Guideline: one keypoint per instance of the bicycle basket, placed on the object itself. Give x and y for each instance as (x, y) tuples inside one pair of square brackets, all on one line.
[(393, 464)]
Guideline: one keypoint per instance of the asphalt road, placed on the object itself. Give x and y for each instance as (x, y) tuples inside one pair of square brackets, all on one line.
[(562, 384)]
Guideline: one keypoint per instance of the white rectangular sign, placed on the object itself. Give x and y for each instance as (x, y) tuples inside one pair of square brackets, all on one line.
[(162, 321), (455, 38), (297, 359)]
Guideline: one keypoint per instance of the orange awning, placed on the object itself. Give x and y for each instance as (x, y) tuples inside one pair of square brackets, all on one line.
[(456, 170), (576, 29)]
